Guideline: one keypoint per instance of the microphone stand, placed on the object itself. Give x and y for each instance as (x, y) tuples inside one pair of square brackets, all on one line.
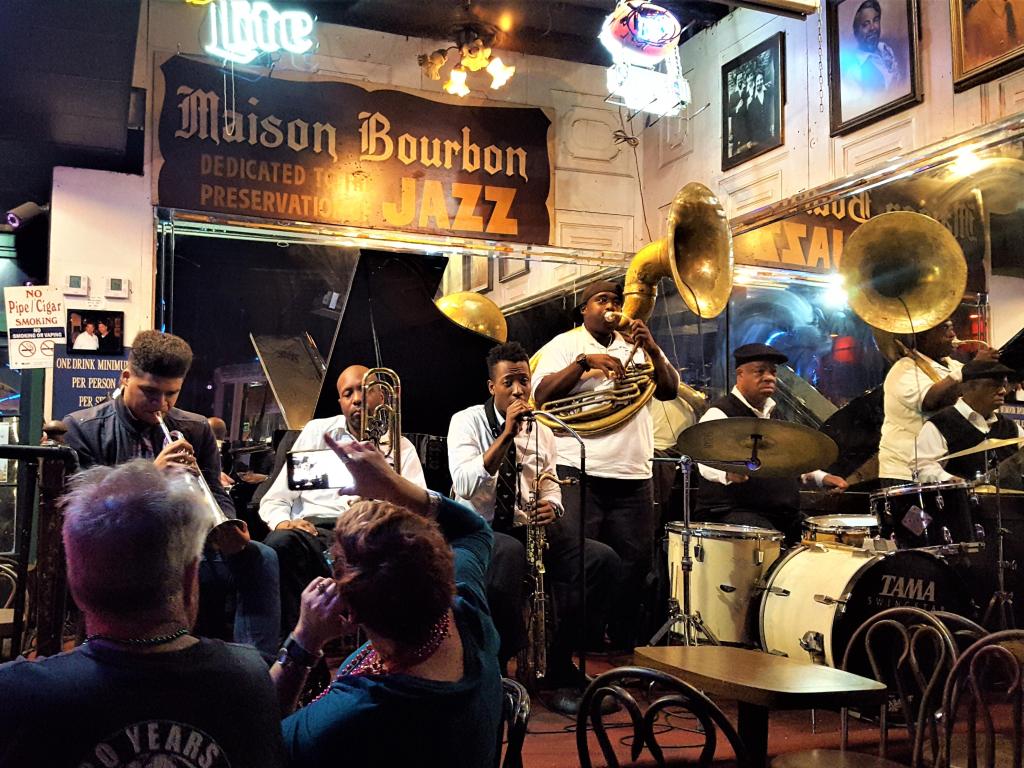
[(582, 535)]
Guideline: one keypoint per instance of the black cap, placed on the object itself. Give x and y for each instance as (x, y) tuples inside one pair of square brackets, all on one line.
[(988, 369), (600, 286), (748, 353)]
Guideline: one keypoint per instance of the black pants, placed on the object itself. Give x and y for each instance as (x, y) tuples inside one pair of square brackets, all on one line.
[(620, 513), (506, 591), (302, 557)]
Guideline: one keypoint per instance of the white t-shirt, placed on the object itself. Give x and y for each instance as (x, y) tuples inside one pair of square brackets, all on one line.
[(624, 452), (906, 386), (281, 503)]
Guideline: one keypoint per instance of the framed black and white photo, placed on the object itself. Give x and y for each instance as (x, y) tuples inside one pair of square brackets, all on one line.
[(510, 269), (873, 61), (988, 40), (753, 97), (477, 273)]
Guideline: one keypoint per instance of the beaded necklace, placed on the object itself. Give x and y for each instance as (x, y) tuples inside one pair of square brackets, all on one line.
[(369, 662), (141, 642)]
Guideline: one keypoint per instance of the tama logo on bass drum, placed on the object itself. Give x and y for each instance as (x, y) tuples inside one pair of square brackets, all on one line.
[(908, 588)]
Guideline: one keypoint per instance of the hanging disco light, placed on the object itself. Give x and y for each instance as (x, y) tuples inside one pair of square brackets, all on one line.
[(640, 33)]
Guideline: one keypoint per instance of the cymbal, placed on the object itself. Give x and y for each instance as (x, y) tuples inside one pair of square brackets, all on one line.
[(784, 449), (984, 445)]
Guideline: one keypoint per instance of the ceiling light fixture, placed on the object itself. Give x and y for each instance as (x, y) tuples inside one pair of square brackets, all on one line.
[(646, 75), (473, 42)]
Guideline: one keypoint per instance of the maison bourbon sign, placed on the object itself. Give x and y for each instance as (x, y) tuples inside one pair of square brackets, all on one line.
[(335, 153)]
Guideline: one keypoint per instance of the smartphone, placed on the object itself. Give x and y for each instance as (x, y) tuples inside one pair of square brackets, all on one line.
[(318, 470)]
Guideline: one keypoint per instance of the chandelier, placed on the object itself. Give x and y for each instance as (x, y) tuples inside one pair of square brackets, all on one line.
[(473, 43)]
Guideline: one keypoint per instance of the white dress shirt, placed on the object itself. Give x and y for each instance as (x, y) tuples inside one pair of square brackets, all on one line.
[(623, 453), (906, 386), (86, 341), (469, 437), (719, 475), (281, 503), (931, 444)]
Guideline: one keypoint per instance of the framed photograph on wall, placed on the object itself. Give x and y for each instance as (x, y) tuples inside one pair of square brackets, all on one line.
[(95, 332), (477, 273), (988, 40), (753, 97), (874, 61), (510, 269)]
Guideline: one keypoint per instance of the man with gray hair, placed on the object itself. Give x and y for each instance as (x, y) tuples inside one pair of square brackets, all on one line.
[(142, 690)]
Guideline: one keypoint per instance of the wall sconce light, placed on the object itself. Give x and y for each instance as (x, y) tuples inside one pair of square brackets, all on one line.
[(473, 42)]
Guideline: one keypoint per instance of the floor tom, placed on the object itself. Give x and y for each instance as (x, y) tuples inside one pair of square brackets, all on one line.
[(728, 563)]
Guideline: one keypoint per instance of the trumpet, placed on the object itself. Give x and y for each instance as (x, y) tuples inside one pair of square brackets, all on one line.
[(216, 514), (963, 342), (384, 419)]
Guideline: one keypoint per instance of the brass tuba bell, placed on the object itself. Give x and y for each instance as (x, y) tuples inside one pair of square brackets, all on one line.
[(697, 254), (475, 312), (904, 272)]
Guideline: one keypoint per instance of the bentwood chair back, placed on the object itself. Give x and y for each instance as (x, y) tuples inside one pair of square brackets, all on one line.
[(985, 695), (515, 717), (664, 695), (912, 652)]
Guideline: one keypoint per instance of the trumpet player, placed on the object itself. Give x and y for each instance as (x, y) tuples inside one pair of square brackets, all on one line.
[(128, 427), (494, 452), (916, 388), (301, 522), (620, 498)]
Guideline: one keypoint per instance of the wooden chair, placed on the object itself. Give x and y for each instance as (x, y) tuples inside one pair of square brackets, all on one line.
[(988, 682), (515, 717), (911, 652), (965, 631), (679, 698)]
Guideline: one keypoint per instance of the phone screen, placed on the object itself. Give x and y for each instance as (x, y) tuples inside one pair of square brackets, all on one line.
[(317, 470)]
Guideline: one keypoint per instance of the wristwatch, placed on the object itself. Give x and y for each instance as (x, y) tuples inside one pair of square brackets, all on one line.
[(433, 502), (581, 361), (293, 653)]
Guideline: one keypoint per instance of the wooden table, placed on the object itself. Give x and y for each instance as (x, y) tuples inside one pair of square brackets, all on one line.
[(760, 682)]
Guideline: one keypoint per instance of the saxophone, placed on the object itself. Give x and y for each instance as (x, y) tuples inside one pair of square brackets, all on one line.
[(533, 659)]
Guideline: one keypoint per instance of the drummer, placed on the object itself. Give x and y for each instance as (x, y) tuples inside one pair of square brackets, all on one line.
[(966, 423), (741, 499)]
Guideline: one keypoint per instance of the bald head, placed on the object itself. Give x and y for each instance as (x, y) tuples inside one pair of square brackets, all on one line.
[(350, 394), (219, 427)]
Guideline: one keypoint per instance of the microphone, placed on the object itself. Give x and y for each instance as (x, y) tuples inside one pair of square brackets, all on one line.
[(529, 418)]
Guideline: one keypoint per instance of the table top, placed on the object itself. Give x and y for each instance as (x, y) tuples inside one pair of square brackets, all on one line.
[(776, 682)]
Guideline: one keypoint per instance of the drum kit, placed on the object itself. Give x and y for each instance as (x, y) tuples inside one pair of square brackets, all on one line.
[(736, 584)]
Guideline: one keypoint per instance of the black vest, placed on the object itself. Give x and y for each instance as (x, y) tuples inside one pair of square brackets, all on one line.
[(758, 494), (960, 434)]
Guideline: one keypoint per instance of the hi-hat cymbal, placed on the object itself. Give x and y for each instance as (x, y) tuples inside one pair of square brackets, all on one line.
[(784, 449), (985, 445)]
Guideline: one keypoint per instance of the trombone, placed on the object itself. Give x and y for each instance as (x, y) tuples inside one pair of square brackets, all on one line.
[(381, 422)]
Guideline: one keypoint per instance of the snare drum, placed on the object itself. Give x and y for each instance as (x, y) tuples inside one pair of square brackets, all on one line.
[(850, 530), (817, 596), (728, 562), (925, 515)]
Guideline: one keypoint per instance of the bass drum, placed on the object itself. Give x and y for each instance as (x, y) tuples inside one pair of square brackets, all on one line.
[(817, 596)]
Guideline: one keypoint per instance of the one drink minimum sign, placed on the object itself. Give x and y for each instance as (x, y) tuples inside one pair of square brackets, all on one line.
[(35, 322)]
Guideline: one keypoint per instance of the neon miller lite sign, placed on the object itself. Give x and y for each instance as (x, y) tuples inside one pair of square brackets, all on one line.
[(239, 30)]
